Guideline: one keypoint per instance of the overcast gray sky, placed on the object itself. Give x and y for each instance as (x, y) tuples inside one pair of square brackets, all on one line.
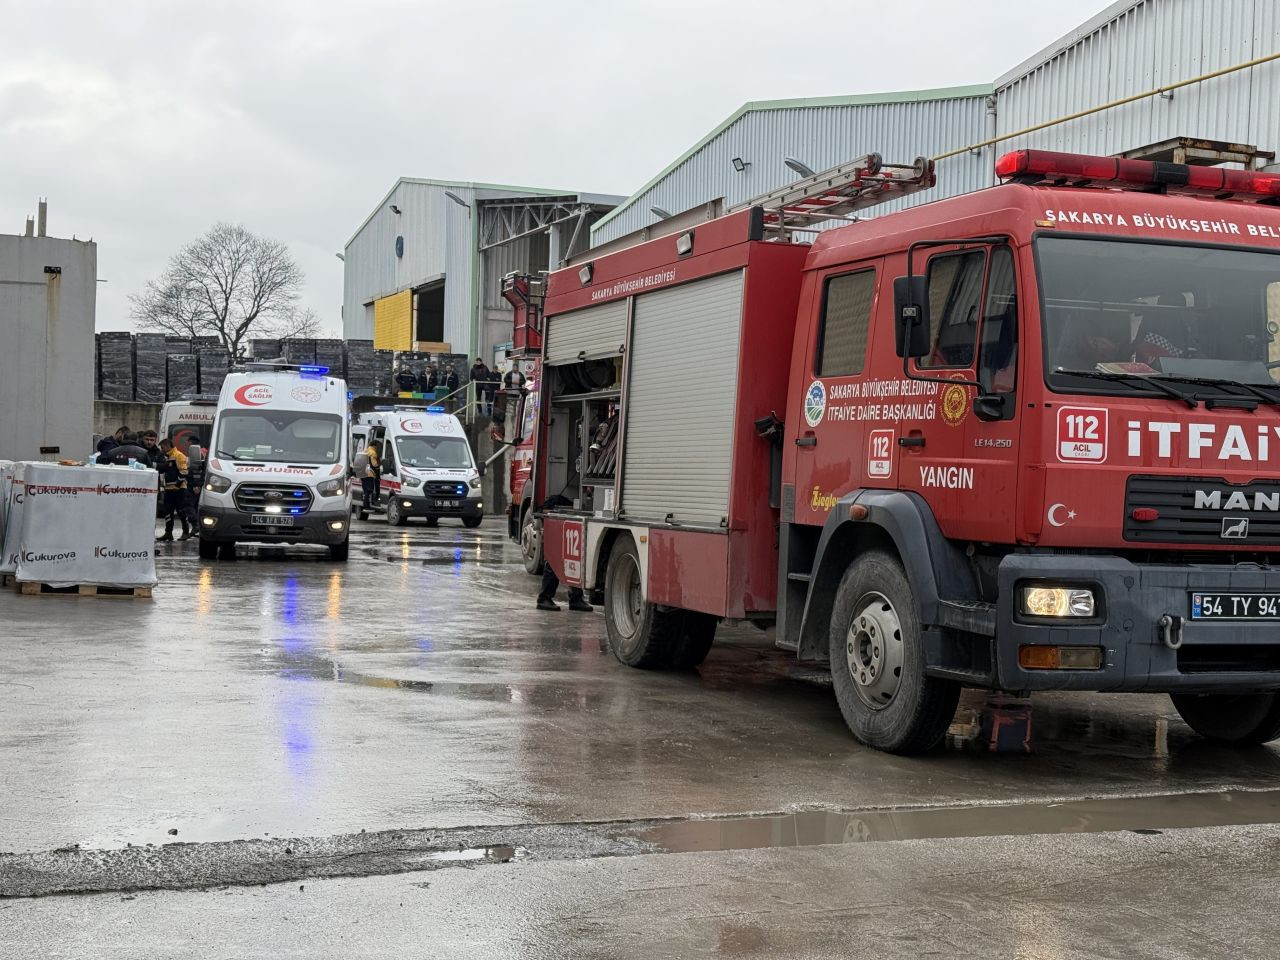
[(145, 122)]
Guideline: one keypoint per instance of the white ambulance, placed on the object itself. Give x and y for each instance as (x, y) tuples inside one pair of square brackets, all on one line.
[(188, 421), (277, 466), (427, 467)]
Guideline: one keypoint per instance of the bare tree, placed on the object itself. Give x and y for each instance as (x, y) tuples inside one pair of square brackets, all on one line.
[(230, 284)]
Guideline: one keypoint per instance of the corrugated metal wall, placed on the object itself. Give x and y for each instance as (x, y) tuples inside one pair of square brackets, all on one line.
[(437, 241), (1152, 43), (821, 137), (1130, 48)]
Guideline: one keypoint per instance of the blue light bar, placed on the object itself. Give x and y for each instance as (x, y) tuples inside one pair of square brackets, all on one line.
[(312, 370), (435, 409)]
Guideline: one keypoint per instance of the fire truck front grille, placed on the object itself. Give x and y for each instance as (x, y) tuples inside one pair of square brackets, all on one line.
[(1202, 510), (257, 497), (445, 488)]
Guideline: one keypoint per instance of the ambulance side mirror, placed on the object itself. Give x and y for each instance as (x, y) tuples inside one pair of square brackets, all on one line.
[(911, 316)]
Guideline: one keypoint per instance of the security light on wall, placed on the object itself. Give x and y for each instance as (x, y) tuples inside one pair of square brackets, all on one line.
[(799, 166), (394, 209), (585, 273), (660, 213), (740, 165), (340, 256), (457, 199)]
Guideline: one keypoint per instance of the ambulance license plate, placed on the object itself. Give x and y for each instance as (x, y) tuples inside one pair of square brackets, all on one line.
[(445, 504), (1235, 606), (271, 520)]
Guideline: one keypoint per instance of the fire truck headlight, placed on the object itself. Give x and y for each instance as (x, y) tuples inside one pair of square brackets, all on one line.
[(1057, 602)]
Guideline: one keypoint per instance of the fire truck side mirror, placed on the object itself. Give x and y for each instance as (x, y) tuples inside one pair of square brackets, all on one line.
[(911, 316)]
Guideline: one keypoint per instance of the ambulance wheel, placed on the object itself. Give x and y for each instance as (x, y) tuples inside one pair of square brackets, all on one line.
[(877, 661), (641, 634), (364, 514), (472, 522), (208, 549), (531, 542), (339, 551), (394, 517), (697, 634), (227, 550), (1245, 719), (433, 521)]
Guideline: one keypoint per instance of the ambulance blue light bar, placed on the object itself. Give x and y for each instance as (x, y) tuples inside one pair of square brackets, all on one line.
[(311, 370), (435, 409)]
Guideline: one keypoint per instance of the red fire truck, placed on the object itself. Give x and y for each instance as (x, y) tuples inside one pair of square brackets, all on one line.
[(1022, 439), (516, 412)]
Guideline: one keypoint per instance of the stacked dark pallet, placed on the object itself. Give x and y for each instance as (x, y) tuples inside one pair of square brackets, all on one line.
[(150, 352), (115, 365), (183, 375), (264, 349), (298, 350), (213, 369), (383, 385), (329, 354), (360, 366), (177, 344)]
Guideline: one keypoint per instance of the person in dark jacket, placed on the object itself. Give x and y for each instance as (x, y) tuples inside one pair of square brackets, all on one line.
[(107, 444), (425, 381), (550, 582), (406, 381), (177, 499), (480, 376), (150, 443), (130, 448)]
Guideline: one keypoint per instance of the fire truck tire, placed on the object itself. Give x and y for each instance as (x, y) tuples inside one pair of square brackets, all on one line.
[(394, 517), (531, 543), (877, 661), (1245, 719), (697, 635), (641, 634), (208, 549)]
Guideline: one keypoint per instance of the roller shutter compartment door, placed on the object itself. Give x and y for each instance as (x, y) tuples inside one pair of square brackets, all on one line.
[(590, 334), (680, 402)]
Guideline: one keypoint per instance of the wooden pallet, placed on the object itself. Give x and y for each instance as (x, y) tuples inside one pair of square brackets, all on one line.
[(83, 590), (8, 580)]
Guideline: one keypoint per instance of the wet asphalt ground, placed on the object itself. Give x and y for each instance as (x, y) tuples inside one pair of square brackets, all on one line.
[(281, 756)]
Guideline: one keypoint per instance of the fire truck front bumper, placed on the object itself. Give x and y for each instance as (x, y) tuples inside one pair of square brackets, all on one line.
[(1076, 622)]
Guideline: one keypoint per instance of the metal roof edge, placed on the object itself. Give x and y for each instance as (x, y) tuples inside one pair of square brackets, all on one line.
[(753, 106), (472, 185), (1091, 26)]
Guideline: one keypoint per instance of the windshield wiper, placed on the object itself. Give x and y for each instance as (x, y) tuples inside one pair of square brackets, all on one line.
[(1256, 389), (1160, 387)]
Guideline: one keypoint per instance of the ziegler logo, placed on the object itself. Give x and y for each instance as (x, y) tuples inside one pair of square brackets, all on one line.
[(253, 394)]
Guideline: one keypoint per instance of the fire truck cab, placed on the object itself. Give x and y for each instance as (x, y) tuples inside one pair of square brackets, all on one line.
[(1021, 439)]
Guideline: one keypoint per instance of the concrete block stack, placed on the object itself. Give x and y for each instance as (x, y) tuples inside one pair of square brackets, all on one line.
[(150, 374), (298, 350), (264, 349), (329, 354), (183, 375), (360, 366), (115, 365), (214, 363)]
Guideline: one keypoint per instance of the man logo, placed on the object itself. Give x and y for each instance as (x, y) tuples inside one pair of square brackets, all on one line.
[(1235, 528)]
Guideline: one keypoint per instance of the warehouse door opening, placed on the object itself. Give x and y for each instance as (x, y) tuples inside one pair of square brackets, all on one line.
[(428, 311)]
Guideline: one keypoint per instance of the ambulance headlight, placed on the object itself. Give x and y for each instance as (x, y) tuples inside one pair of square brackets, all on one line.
[(412, 482), (475, 483), (333, 488), (216, 483)]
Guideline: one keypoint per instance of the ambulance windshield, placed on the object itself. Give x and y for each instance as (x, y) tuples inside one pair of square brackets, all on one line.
[(279, 436), (434, 453), (1124, 313)]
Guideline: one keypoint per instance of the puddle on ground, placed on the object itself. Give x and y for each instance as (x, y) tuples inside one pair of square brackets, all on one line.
[(498, 853), (808, 828)]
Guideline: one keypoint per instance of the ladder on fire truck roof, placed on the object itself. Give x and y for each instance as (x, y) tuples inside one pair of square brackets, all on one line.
[(836, 193)]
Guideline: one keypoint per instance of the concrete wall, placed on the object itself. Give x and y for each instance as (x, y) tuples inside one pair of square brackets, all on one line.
[(46, 347), (109, 414)]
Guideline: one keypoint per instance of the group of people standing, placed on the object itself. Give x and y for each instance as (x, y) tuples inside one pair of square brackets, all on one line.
[(160, 454), (430, 378)]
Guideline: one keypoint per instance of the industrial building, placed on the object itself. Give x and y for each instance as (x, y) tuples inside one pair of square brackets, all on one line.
[(424, 270), (48, 298), (1132, 47)]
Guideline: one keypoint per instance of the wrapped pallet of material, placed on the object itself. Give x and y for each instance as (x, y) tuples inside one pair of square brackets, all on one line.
[(10, 487), (84, 525), (6, 491)]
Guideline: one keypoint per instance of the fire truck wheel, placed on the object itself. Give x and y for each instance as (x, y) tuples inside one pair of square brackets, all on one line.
[(877, 661), (696, 637), (641, 634), (208, 549), (394, 517), (531, 543), (1245, 719)]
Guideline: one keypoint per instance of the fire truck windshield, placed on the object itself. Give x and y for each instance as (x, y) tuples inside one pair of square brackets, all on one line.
[(1118, 314)]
